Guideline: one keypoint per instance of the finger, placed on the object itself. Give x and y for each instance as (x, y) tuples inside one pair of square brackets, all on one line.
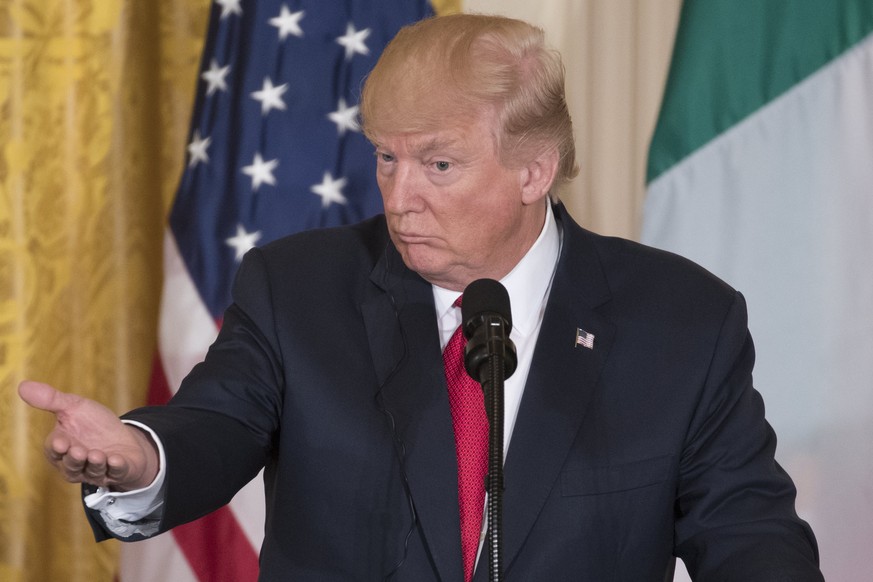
[(56, 447), (44, 397), (95, 467), (117, 468), (73, 462)]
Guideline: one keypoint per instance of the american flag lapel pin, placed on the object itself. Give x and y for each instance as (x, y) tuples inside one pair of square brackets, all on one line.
[(584, 338)]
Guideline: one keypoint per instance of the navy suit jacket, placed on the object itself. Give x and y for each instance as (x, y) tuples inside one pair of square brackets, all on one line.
[(327, 371)]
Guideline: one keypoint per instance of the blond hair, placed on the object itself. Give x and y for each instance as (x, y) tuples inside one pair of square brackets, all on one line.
[(451, 68)]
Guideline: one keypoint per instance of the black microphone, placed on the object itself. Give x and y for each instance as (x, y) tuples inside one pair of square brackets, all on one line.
[(490, 358), (487, 322)]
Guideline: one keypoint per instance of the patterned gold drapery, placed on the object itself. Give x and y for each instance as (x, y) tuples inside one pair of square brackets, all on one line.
[(95, 98)]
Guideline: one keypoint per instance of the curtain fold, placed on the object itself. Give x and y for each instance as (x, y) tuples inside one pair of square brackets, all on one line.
[(95, 97)]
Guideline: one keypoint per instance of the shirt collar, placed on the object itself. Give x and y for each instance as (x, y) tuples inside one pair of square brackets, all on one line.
[(527, 283)]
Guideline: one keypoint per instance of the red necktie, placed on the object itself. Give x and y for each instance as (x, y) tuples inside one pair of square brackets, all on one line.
[(471, 445)]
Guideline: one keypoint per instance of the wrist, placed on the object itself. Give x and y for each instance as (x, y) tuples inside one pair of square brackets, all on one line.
[(151, 455)]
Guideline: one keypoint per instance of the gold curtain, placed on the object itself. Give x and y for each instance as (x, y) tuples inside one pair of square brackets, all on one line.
[(95, 100)]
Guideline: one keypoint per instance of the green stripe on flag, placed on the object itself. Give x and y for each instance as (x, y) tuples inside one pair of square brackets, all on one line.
[(733, 56)]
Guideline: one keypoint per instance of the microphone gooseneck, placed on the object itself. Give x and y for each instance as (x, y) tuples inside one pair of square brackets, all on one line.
[(490, 358)]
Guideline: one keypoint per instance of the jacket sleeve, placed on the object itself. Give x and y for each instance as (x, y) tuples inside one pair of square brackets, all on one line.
[(736, 520), (218, 430)]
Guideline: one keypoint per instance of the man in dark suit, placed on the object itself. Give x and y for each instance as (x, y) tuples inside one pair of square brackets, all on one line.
[(633, 431)]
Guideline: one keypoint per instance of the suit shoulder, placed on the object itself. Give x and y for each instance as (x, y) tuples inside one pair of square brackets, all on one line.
[(314, 263), (645, 282), (357, 244), (627, 265), (658, 266)]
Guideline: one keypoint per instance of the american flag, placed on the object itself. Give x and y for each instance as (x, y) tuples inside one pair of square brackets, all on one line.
[(584, 339), (274, 149)]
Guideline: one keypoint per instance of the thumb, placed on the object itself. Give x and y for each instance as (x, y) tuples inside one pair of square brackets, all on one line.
[(44, 397)]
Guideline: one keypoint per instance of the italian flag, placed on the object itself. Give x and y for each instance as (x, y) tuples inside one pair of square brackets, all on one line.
[(761, 170)]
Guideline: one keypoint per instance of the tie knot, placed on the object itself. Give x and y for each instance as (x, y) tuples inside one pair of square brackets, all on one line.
[(458, 301)]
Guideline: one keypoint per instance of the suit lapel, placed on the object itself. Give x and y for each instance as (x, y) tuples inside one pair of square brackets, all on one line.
[(403, 337), (561, 383)]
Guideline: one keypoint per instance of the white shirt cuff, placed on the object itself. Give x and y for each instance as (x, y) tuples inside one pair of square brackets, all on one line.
[(127, 513)]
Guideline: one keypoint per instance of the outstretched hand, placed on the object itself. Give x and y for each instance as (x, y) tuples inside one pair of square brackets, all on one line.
[(89, 444)]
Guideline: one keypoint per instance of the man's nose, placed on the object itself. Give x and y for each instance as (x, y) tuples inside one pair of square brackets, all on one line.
[(401, 192)]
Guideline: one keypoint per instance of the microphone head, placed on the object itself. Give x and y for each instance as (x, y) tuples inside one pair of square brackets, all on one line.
[(487, 323), (485, 296)]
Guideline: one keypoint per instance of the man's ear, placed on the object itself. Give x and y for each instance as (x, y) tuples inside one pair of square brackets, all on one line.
[(538, 176)]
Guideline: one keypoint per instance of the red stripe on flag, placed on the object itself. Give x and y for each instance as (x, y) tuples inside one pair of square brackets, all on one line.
[(159, 388), (217, 548)]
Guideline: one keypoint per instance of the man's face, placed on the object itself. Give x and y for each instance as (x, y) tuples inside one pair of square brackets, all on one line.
[(454, 211)]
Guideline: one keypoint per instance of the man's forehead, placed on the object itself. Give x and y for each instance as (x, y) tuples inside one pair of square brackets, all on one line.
[(428, 143), (454, 134), (420, 142)]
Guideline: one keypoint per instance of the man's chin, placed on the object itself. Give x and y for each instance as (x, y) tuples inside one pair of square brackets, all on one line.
[(423, 265), (430, 268)]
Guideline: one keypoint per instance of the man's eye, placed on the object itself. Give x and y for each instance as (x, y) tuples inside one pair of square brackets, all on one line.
[(442, 166), (383, 157)]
